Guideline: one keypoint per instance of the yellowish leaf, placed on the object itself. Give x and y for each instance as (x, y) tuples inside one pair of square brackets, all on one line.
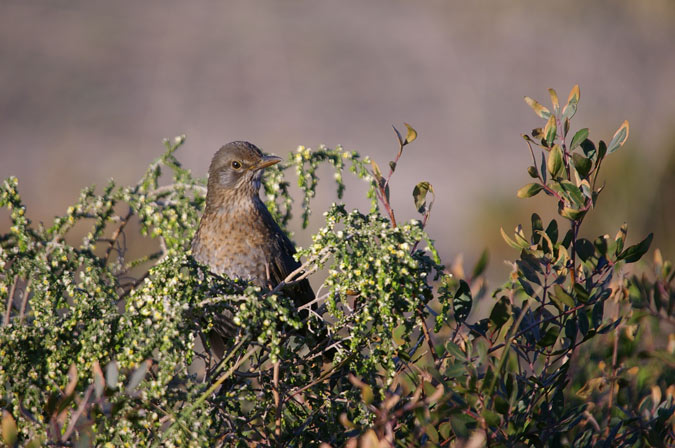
[(540, 110), (412, 134), (554, 99), (550, 130), (575, 94)]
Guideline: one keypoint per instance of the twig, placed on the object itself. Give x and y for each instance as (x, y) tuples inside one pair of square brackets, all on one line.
[(427, 336), (116, 234), (10, 300), (613, 378), (24, 301), (277, 401), (76, 416)]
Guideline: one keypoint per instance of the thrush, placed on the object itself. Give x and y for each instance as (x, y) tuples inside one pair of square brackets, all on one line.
[(237, 235)]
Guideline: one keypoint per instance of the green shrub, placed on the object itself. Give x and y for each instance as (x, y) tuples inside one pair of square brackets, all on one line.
[(101, 346)]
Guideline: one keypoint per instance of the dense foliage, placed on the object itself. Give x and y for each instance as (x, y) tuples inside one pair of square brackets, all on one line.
[(103, 345)]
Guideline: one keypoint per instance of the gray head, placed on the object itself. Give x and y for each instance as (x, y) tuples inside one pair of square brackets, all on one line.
[(238, 167)]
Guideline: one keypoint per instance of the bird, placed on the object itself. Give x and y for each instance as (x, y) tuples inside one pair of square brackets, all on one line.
[(237, 236)]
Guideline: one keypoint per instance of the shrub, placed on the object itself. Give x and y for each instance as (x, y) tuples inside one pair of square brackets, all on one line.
[(103, 346)]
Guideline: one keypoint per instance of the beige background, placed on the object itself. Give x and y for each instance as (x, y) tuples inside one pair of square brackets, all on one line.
[(89, 88)]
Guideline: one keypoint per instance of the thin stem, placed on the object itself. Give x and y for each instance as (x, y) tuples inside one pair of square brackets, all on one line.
[(24, 301), (277, 401), (10, 300)]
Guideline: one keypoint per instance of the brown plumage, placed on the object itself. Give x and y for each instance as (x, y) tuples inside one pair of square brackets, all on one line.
[(237, 236)]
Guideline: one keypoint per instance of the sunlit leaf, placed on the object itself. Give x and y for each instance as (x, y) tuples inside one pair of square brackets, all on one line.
[(376, 171), (580, 136), (571, 213), (420, 195), (571, 107), (619, 138), (529, 190), (411, 135), (9, 431), (538, 108), (550, 130), (554, 165), (554, 99)]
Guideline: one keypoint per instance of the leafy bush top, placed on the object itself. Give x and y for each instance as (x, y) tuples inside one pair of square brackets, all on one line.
[(103, 345)]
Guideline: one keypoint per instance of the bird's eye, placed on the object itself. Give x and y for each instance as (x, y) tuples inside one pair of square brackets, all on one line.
[(236, 165)]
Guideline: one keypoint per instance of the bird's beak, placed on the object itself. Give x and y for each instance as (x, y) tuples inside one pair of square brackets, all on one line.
[(265, 162)]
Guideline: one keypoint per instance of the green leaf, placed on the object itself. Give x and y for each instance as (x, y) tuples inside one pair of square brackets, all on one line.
[(454, 350), (572, 214), (537, 108), (491, 417), (9, 431), (481, 264), (411, 135), (554, 165), (620, 238), (549, 337), (532, 171), (561, 297), (584, 248), (420, 194), (537, 226), (500, 312), (588, 147), (581, 164), (376, 172), (550, 130), (462, 302), (399, 137), (552, 231), (634, 253), (573, 193), (580, 136), (529, 190), (397, 335), (619, 138)]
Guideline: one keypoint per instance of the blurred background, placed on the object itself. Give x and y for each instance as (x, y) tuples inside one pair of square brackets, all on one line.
[(88, 89)]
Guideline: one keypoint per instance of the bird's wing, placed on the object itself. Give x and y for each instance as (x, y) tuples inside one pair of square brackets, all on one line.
[(283, 263)]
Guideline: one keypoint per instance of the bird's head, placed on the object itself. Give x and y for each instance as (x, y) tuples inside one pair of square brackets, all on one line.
[(237, 168)]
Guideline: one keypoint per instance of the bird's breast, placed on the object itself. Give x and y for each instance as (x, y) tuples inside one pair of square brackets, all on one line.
[(235, 242)]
